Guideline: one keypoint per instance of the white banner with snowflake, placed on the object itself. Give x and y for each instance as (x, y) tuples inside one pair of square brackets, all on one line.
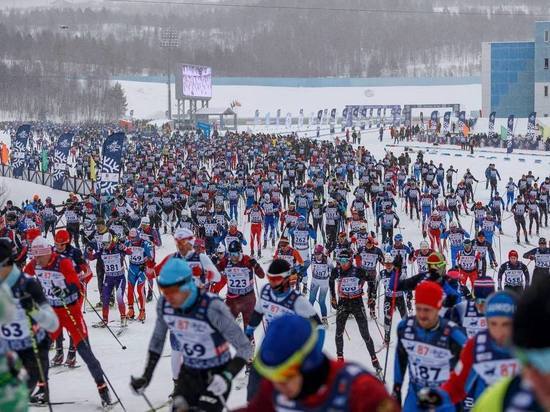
[(109, 175), (19, 149), (60, 156)]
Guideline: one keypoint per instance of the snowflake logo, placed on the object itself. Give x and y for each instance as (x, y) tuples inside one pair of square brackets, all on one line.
[(113, 147)]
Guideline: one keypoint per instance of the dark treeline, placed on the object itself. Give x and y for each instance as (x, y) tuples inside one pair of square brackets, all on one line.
[(30, 92), (267, 42)]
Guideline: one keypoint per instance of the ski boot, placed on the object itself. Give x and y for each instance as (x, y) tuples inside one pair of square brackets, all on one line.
[(70, 362), (58, 358), (373, 313), (251, 252), (175, 382), (265, 243), (41, 396), (123, 321), (526, 240), (101, 324), (149, 297), (165, 230), (130, 314), (141, 316), (259, 253), (104, 394), (272, 242), (376, 366)]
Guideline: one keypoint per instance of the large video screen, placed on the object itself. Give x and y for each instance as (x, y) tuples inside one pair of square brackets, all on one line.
[(196, 81)]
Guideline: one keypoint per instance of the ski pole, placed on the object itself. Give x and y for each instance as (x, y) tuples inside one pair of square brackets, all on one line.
[(36, 353), (392, 308), (107, 326), (89, 347), (149, 404)]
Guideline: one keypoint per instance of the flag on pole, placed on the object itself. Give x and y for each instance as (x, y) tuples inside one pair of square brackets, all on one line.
[(503, 133), (93, 170)]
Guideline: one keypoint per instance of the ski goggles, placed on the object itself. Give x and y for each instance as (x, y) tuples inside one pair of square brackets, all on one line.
[(343, 260), (234, 254), (537, 358), (289, 368), (278, 278)]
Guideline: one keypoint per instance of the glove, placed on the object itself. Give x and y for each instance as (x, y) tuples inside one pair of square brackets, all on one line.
[(424, 234), (197, 271), (334, 303), (139, 384), (409, 244), (249, 332), (220, 383), (57, 291), (395, 226), (428, 398), (397, 393), (26, 302), (253, 262)]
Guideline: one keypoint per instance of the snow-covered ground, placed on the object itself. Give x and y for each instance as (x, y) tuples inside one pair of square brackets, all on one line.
[(77, 385), (149, 100)]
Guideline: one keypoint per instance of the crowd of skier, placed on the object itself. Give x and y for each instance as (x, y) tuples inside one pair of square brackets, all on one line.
[(323, 220)]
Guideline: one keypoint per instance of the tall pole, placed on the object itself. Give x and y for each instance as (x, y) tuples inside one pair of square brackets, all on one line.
[(169, 40)]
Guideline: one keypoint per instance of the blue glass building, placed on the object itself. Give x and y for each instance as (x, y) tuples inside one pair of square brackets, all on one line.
[(516, 76)]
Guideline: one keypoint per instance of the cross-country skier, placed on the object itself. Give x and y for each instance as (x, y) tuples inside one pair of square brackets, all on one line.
[(349, 301), (204, 327), (26, 333), (276, 299), (63, 290), (428, 345), (513, 273), (541, 256), (141, 254), (485, 359)]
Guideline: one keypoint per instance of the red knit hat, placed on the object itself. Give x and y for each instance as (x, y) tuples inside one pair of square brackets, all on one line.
[(430, 294)]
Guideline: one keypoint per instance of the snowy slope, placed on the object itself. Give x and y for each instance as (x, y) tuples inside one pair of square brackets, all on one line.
[(149, 100), (77, 385)]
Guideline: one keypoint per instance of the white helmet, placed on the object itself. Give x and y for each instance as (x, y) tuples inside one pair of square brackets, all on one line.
[(388, 258), (424, 245), (145, 220), (435, 213), (363, 226), (233, 222), (133, 233), (40, 247), (453, 224), (220, 248)]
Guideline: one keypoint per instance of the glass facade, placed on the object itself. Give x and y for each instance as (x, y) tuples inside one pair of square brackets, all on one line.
[(512, 78), (542, 52)]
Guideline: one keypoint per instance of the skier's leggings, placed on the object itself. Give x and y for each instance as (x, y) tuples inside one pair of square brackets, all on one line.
[(28, 359), (356, 308), (191, 385)]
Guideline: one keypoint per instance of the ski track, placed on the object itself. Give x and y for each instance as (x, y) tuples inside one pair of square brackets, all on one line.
[(77, 385)]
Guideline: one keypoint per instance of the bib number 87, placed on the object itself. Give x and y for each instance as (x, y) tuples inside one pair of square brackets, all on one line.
[(427, 373)]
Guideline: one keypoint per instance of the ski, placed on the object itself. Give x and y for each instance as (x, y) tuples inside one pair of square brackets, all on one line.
[(45, 405), (65, 369), (109, 406), (161, 406)]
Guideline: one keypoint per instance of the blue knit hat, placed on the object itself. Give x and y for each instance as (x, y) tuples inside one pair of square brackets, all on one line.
[(291, 342), (501, 303)]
